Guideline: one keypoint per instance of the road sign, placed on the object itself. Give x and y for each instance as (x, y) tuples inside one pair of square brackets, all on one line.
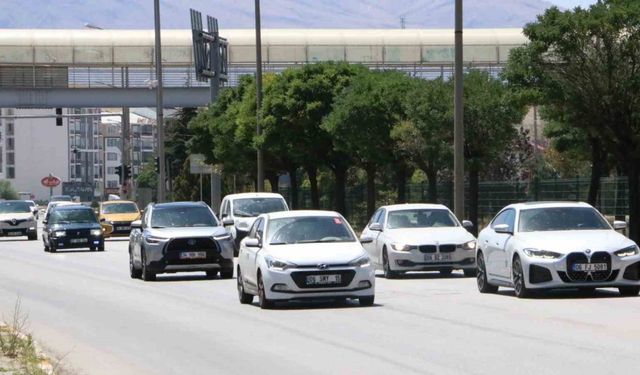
[(198, 165), (84, 190), (50, 181)]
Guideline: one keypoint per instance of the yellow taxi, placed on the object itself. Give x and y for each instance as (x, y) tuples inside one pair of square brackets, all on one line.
[(119, 214)]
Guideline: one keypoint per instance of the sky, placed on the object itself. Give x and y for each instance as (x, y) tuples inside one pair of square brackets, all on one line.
[(573, 3)]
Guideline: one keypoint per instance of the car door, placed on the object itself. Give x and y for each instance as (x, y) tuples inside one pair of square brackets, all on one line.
[(366, 232), (136, 235), (496, 245), (250, 253)]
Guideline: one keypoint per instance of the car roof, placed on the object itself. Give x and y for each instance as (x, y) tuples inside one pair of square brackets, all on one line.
[(179, 204), (117, 201), (411, 206), (253, 195), (300, 213), (549, 204), (62, 203), (73, 207)]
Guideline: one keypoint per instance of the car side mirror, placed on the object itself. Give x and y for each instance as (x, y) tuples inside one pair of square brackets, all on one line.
[(467, 224), (502, 228), (103, 220), (252, 242), (366, 239), (227, 222), (375, 227), (619, 225), (136, 224)]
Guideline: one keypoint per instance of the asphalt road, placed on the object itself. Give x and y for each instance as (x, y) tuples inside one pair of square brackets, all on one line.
[(85, 306)]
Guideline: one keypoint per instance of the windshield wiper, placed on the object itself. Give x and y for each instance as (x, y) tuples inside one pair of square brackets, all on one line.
[(241, 213)]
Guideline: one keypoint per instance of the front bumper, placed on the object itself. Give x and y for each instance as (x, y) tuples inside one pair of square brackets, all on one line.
[(557, 273), (290, 284), (120, 228), (77, 242), (416, 260), (165, 257), (18, 231)]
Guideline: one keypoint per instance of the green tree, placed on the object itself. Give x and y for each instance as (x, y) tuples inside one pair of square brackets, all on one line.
[(178, 136), (148, 177), (7, 191)]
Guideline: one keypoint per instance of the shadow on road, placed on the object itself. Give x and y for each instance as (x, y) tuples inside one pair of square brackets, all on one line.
[(13, 239), (563, 294), (79, 251), (167, 278), (425, 276), (318, 305), (117, 239)]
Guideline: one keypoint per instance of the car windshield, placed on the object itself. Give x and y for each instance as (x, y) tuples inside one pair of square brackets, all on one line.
[(61, 198), (251, 207), (8, 207), (421, 218), (177, 217), (561, 218), (76, 215), (119, 208), (309, 229)]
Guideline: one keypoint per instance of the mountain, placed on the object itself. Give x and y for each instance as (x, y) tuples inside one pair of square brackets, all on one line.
[(138, 14)]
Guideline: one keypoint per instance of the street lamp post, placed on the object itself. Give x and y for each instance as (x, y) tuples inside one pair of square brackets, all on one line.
[(159, 114), (458, 128), (260, 159)]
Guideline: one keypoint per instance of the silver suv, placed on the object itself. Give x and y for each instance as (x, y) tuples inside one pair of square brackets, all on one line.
[(179, 237)]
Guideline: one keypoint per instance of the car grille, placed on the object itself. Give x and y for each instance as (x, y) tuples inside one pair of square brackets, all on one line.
[(447, 248), (192, 244), (433, 248), (78, 232), (632, 272), (427, 248), (538, 274), (597, 257), (14, 223), (300, 278)]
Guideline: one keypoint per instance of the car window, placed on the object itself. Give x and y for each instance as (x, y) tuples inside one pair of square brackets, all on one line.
[(252, 207), (119, 208), (561, 218), (505, 217), (380, 218), (260, 229), (9, 207), (374, 217), (182, 216), (421, 218), (309, 229), (67, 216), (254, 228)]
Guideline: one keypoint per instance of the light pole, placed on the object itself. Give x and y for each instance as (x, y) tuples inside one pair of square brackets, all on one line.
[(260, 161), (159, 114), (458, 127)]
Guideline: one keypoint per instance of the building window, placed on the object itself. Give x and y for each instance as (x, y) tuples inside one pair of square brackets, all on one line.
[(11, 172), (113, 142), (112, 156), (112, 184), (10, 129), (111, 170), (11, 158), (10, 144)]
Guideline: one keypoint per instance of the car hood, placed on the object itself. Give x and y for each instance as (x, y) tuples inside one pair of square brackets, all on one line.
[(426, 236), (187, 232), (72, 226), (568, 241), (131, 216), (244, 223), (16, 215), (311, 254)]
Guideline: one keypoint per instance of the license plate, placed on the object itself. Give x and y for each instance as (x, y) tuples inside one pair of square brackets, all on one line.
[(123, 228), (437, 257), (590, 267), (193, 255), (324, 279), (78, 240), (14, 233)]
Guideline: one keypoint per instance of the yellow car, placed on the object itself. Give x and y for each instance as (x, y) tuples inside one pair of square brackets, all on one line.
[(119, 214)]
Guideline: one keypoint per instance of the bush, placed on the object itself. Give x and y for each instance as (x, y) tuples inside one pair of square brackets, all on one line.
[(7, 191)]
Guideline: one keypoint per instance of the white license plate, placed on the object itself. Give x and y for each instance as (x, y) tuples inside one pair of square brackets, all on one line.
[(14, 233), (437, 257), (324, 279), (78, 240), (123, 228), (193, 255), (590, 267)]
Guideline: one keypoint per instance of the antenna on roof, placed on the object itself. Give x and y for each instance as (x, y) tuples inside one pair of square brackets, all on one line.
[(403, 22)]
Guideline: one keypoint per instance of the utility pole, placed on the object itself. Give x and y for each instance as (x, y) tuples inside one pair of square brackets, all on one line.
[(126, 151), (159, 114), (458, 127), (260, 161)]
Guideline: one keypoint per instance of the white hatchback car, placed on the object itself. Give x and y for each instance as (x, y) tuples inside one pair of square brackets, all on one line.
[(546, 245), (302, 255), (419, 237)]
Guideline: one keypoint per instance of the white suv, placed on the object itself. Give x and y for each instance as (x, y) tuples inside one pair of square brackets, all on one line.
[(239, 211)]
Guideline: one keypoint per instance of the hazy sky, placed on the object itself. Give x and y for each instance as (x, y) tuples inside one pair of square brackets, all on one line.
[(573, 3)]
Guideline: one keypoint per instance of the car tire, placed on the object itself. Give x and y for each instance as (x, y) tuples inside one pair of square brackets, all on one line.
[(32, 237), (133, 271), (226, 273), (245, 298), (519, 284), (629, 291), (212, 274), (264, 302), (366, 301), (470, 272), (101, 247), (481, 277), (386, 267), (52, 248), (46, 248), (147, 275), (446, 271)]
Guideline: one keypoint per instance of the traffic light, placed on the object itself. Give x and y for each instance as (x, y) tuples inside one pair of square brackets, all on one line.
[(119, 172), (127, 172), (157, 164), (58, 116)]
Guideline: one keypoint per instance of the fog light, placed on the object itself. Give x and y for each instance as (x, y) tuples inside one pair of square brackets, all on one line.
[(280, 287), (404, 263), (364, 284)]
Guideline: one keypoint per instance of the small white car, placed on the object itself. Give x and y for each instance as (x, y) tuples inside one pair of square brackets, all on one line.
[(239, 211), (301, 255), (419, 237), (547, 245), (17, 219)]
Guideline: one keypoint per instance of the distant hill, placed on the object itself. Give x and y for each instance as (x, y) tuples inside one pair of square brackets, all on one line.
[(138, 14)]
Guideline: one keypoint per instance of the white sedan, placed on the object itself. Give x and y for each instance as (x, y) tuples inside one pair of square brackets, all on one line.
[(535, 246), (303, 255), (419, 237)]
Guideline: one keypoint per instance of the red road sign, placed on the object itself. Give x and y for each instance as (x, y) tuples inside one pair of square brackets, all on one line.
[(50, 181)]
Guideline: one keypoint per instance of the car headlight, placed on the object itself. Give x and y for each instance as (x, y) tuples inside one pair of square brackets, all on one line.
[(96, 232), (155, 239), (59, 233), (222, 237), (628, 251), (399, 246), (363, 261), (278, 265), (471, 245), (544, 254)]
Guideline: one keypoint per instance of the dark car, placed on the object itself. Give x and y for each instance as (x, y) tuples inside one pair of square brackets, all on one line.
[(72, 227)]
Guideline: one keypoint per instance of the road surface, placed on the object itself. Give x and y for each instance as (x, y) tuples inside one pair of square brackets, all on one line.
[(85, 306)]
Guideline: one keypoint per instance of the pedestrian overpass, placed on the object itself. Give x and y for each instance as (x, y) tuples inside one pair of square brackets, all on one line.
[(115, 68)]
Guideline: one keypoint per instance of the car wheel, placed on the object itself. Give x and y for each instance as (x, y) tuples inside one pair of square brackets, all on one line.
[(629, 291), (481, 277), (388, 273), (92, 248), (226, 273), (32, 237), (519, 285), (264, 302), (147, 275), (446, 271), (366, 301), (212, 274), (469, 272), (52, 248), (101, 247), (244, 298), (133, 271)]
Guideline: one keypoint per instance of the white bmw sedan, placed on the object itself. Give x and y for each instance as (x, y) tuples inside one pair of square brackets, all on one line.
[(303, 255), (419, 237), (542, 245)]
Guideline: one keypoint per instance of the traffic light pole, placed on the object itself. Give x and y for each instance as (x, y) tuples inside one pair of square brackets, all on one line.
[(159, 113), (458, 127)]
